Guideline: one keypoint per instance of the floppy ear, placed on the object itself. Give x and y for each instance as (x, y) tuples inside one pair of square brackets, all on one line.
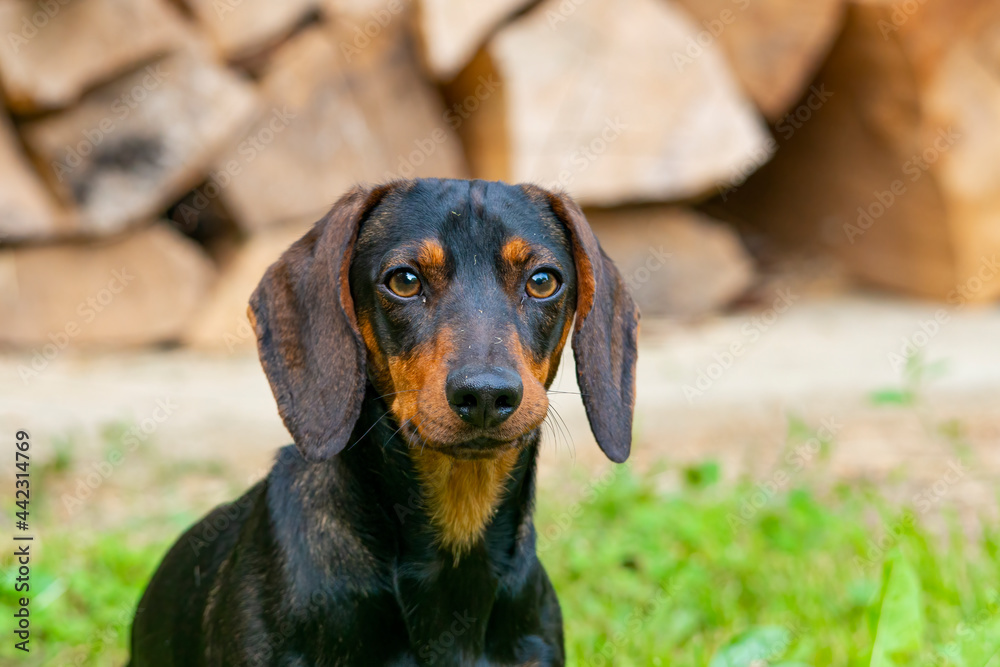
[(605, 334), (307, 334)]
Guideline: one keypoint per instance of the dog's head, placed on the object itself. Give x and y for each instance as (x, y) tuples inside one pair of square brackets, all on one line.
[(454, 299)]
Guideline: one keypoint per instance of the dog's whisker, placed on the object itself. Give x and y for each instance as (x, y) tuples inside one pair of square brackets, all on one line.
[(401, 391), (549, 422), (542, 426), (397, 431), (566, 432), (369, 429)]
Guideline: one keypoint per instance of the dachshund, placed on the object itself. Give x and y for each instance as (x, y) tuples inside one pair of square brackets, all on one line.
[(409, 339)]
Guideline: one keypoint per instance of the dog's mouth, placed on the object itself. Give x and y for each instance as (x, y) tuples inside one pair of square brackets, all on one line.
[(475, 448), (479, 448)]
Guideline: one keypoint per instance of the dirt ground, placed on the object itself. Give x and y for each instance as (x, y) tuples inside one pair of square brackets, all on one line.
[(729, 389)]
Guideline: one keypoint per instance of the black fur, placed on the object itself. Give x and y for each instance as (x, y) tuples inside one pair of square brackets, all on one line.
[(333, 559)]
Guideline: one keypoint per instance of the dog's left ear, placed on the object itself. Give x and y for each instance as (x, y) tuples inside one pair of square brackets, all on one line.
[(307, 333), (605, 334)]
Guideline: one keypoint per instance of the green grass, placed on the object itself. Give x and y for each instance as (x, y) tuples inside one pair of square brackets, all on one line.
[(682, 578), (696, 572)]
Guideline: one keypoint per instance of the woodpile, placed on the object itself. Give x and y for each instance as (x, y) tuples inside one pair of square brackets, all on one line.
[(775, 46), (331, 122), (595, 100), (896, 165), (187, 142), (141, 288)]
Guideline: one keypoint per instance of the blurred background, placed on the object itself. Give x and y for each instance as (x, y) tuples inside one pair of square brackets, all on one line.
[(804, 198)]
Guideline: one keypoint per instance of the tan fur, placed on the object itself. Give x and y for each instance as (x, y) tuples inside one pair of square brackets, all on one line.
[(432, 260), (552, 363), (431, 254), (462, 495), (419, 381), (377, 364), (516, 251)]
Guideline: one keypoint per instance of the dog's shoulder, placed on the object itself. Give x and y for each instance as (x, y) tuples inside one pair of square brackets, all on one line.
[(321, 522)]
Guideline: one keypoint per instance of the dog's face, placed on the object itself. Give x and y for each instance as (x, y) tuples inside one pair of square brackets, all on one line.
[(454, 299), (464, 295)]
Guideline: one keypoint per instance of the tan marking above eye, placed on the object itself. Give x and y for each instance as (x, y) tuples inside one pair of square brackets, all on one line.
[(404, 283), (431, 255), (515, 251), (542, 284)]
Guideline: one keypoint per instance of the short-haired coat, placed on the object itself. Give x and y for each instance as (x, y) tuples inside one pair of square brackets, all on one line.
[(409, 339)]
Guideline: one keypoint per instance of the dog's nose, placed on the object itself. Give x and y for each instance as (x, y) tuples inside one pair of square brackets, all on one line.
[(484, 396)]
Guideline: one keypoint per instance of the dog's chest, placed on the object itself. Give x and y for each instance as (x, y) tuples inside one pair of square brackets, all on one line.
[(446, 607)]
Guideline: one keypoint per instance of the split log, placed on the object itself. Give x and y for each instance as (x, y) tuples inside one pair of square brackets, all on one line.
[(452, 30), (676, 263), (590, 97), (240, 28), (54, 50), (28, 211), (339, 112), (897, 169), (139, 289), (134, 145), (355, 10), (221, 322), (774, 46)]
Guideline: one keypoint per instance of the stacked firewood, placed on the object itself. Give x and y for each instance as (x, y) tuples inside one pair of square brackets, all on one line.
[(155, 156)]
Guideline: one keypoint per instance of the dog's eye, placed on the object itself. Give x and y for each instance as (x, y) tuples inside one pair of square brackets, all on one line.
[(403, 283), (542, 284)]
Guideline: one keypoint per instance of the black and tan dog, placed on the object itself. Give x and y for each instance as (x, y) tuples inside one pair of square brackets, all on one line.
[(409, 338)]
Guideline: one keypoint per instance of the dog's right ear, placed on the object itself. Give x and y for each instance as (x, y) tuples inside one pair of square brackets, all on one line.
[(307, 333)]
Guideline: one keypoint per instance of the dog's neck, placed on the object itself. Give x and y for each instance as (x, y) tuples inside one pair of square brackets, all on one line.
[(454, 504), (462, 496)]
